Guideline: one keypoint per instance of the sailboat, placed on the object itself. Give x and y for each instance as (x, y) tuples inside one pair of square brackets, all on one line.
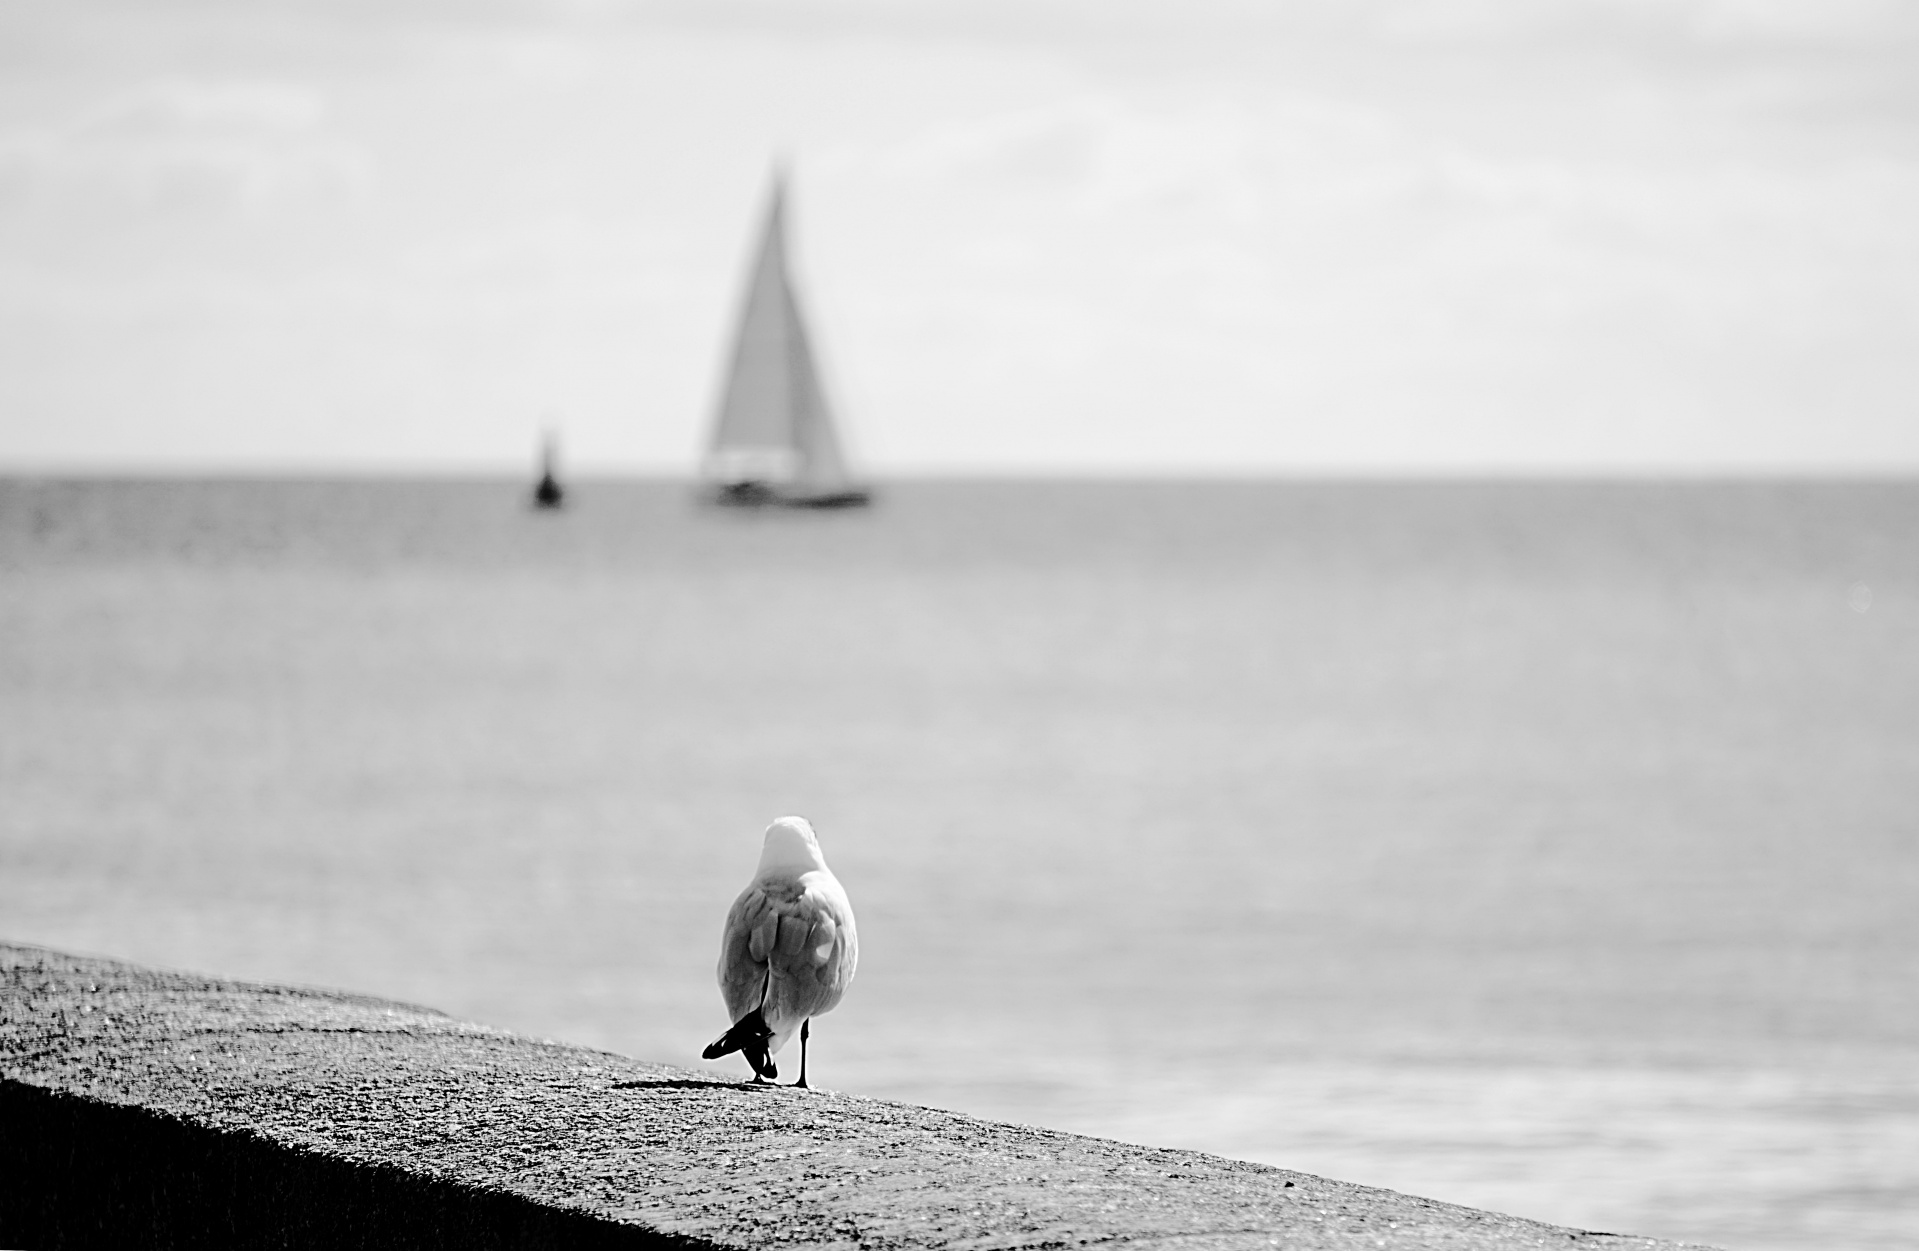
[(773, 438)]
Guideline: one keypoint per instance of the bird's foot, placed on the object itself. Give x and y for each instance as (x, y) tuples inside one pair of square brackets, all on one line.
[(801, 1085)]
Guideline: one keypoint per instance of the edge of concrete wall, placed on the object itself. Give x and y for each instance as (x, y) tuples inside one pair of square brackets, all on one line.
[(141, 1107)]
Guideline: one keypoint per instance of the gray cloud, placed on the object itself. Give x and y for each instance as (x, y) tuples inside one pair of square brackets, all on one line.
[(189, 149)]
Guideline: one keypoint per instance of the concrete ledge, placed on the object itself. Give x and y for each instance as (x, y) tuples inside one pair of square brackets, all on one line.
[(147, 1108)]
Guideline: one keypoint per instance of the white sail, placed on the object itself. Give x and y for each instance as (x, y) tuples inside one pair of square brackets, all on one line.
[(774, 437)]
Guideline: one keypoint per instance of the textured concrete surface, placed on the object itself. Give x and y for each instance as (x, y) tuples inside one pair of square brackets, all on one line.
[(144, 1107)]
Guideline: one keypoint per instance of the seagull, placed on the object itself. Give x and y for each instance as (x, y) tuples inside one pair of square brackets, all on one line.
[(788, 951)]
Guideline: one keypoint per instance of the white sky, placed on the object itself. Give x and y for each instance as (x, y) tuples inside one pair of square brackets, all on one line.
[(1036, 235)]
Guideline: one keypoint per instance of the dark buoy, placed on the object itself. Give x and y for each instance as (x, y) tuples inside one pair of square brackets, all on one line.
[(548, 493)]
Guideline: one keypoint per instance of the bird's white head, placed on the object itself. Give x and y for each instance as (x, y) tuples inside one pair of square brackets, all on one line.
[(791, 847)]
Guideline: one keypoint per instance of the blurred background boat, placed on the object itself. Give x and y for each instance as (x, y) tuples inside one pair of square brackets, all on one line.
[(547, 492), (774, 441)]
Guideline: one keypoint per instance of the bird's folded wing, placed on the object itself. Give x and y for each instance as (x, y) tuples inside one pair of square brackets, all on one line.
[(752, 928), (832, 944), (813, 958)]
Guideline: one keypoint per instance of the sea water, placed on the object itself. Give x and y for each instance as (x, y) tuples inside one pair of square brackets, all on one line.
[(1547, 847)]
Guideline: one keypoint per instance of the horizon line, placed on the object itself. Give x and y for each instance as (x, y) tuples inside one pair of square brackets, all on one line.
[(636, 473)]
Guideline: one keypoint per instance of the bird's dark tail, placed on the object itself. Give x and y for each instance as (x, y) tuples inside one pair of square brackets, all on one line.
[(748, 1037)]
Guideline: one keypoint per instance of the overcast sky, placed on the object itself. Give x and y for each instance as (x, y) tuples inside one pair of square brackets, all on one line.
[(1035, 235)]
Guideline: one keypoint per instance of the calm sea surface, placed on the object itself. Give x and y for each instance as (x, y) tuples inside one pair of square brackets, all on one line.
[(1549, 848)]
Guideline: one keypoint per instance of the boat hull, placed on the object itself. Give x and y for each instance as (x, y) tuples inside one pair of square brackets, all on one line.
[(771, 495)]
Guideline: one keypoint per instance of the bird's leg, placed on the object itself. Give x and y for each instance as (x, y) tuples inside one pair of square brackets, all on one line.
[(806, 1027)]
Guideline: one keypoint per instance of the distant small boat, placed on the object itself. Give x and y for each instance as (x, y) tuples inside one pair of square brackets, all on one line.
[(548, 493), (773, 440)]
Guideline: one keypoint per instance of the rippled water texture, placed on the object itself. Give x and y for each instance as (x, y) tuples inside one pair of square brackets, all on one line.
[(1552, 848)]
